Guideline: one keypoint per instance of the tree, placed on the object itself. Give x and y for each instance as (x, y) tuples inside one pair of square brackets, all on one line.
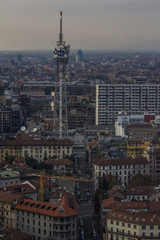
[(140, 180), (31, 162), (9, 159), (108, 181)]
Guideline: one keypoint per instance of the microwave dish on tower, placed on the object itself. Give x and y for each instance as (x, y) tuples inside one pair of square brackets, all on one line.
[(23, 128)]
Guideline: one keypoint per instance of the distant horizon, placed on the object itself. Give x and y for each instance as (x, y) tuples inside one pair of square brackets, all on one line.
[(85, 50)]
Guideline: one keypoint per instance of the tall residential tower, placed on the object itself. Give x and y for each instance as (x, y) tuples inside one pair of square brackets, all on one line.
[(131, 98), (59, 104)]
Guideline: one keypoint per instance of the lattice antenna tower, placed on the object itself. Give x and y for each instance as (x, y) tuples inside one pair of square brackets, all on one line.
[(61, 55)]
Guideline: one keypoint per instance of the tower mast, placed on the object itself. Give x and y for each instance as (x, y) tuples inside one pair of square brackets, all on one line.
[(61, 55)]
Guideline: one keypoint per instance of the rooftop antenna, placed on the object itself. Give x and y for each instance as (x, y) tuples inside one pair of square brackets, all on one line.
[(61, 34)]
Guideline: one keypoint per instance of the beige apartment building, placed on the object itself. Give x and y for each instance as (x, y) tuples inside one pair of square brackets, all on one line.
[(125, 225), (37, 149), (8, 201)]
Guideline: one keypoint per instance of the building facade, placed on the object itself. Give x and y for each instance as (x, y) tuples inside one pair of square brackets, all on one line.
[(125, 225), (122, 169), (8, 201), (134, 99), (37, 149), (48, 221)]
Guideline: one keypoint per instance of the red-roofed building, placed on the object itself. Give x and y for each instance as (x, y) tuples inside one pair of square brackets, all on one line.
[(123, 224), (26, 190), (138, 193), (48, 221), (14, 234)]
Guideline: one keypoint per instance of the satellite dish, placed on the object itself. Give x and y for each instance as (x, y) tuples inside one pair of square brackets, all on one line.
[(23, 128), (34, 129), (53, 94)]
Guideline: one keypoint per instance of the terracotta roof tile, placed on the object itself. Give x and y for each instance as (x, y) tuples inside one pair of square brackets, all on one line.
[(46, 208), (17, 142), (9, 197), (121, 161), (19, 188), (16, 235), (140, 218)]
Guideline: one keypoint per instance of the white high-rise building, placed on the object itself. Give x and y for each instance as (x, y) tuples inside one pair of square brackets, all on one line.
[(131, 98)]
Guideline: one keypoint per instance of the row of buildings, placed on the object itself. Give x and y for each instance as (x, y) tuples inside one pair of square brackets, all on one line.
[(136, 219)]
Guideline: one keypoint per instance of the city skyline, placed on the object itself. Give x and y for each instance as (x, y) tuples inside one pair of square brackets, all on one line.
[(108, 25)]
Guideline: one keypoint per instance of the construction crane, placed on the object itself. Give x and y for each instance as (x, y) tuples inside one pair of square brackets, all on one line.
[(42, 175)]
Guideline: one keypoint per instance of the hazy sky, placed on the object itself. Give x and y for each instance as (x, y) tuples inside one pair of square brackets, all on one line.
[(87, 24)]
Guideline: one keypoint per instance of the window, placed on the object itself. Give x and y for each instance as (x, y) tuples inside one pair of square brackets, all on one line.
[(111, 222), (117, 223), (151, 227), (129, 225), (143, 227), (123, 224), (135, 226)]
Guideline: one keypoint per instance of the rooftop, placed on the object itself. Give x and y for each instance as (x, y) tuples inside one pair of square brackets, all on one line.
[(140, 218), (17, 142), (121, 161), (62, 210), (9, 197), (8, 174)]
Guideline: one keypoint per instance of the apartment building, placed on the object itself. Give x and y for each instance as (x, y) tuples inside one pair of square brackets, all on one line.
[(123, 169), (8, 201), (132, 98), (47, 221), (153, 156), (136, 147), (145, 132), (37, 149), (127, 225), (8, 178)]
